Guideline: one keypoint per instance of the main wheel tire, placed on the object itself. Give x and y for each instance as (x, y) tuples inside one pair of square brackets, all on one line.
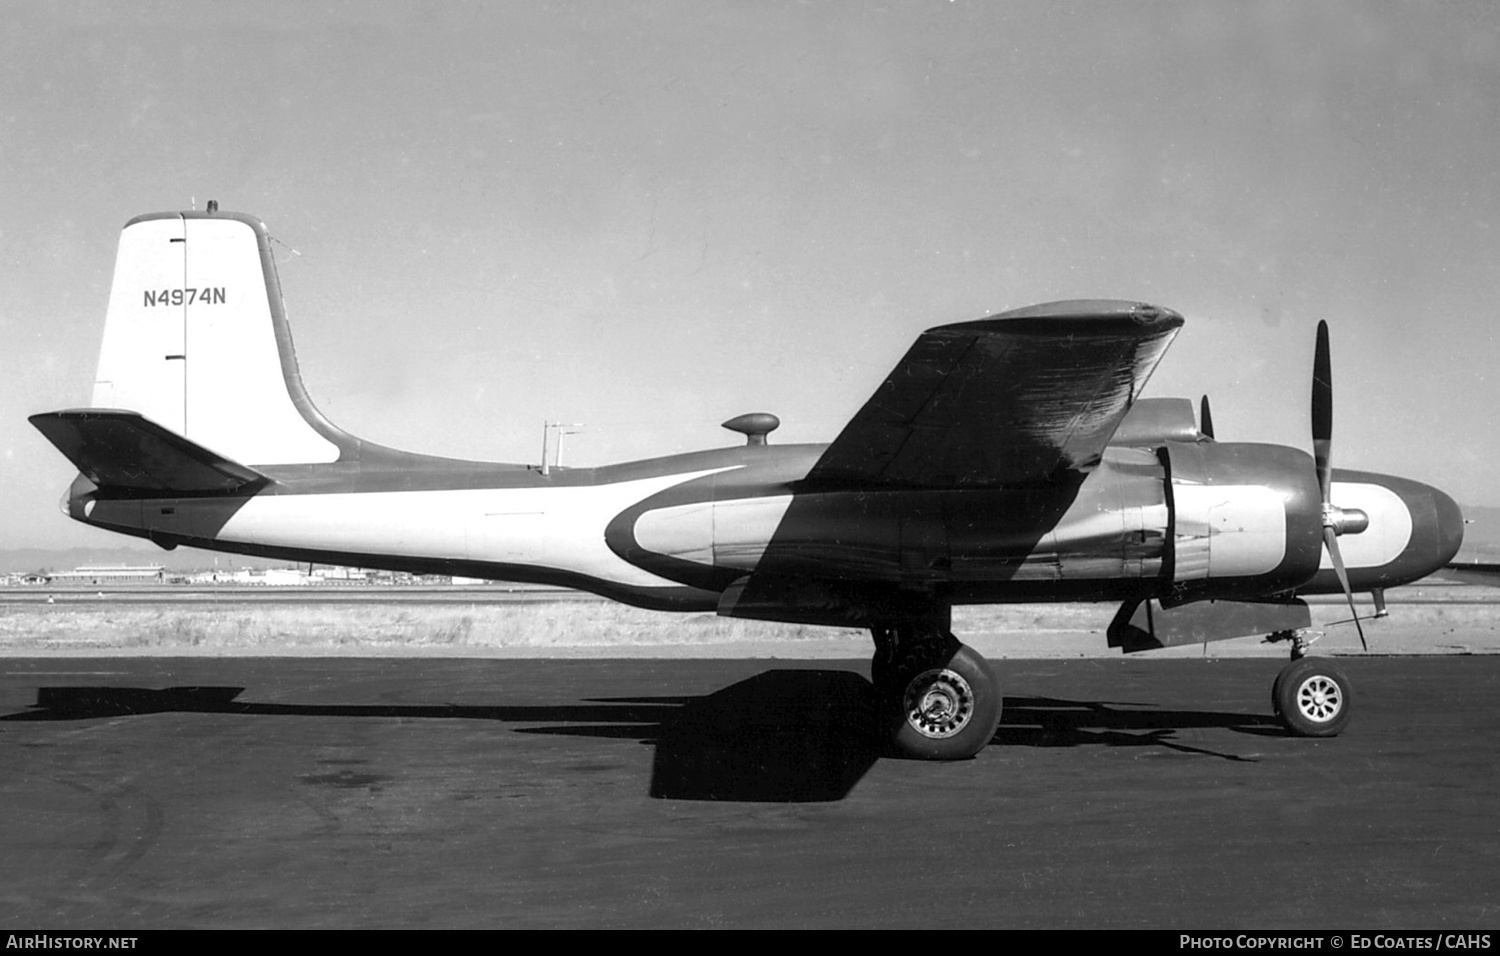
[(945, 709), (1313, 697)]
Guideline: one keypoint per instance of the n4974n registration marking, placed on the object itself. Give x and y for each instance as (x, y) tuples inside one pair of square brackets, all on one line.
[(208, 295)]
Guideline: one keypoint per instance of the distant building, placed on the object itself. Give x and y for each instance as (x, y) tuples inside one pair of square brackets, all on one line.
[(339, 576), (284, 577), (215, 576), (95, 575)]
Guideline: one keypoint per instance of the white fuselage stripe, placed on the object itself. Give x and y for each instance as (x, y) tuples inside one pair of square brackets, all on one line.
[(560, 528)]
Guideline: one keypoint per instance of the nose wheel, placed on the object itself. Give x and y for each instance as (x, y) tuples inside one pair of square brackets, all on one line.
[(1313, 697)]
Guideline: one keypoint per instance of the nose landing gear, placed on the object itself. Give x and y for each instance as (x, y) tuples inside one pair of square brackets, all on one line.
[(1313, 697)]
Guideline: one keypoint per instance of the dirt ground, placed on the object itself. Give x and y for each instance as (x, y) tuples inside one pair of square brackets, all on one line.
[(1436, 619)]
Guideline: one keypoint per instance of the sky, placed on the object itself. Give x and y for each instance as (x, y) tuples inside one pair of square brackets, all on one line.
[(650, 217)]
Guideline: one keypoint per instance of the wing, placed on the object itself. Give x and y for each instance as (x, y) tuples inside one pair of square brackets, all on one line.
[(126, 451), (1020, 397)]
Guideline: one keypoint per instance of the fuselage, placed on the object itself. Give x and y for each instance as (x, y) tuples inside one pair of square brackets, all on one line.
[(1180, 521)]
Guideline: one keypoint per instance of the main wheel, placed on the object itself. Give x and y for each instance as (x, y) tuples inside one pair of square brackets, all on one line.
[(946, 707), (1313, 697)]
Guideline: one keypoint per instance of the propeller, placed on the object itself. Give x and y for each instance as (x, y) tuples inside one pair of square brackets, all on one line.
[(1205, 419), (1336, 521)]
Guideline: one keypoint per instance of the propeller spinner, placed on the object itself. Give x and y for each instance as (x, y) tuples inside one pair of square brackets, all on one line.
[(1336, 521)]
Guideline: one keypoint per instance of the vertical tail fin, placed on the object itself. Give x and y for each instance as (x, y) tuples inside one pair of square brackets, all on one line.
[(196, 340)]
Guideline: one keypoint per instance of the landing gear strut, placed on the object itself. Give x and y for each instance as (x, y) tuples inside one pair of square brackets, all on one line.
[(939, 697)]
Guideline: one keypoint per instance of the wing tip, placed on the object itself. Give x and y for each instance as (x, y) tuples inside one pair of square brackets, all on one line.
[(1103, 315)]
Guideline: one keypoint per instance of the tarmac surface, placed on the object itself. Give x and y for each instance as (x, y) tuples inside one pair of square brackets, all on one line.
[(333, 793)]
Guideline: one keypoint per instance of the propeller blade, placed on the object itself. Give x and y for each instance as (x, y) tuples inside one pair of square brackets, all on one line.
[(1322, 413), (1205, 419), (1331, 540), (1322, 435)]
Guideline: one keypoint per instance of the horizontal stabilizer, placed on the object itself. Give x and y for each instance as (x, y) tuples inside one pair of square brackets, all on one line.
[(1147, 626), (124, 450)]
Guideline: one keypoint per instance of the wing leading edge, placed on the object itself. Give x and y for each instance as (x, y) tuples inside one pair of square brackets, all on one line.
[(1016, 398)]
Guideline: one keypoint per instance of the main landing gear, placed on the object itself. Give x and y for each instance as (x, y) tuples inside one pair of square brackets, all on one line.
[(938, 697), (1312, 696)]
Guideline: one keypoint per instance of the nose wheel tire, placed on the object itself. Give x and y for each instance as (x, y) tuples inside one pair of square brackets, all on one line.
[(1313, 697), (943, 709)]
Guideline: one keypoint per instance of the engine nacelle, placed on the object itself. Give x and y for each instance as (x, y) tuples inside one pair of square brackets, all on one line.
[(1247, 520)]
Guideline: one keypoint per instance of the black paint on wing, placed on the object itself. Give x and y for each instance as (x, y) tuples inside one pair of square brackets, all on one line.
[(1022, 397)]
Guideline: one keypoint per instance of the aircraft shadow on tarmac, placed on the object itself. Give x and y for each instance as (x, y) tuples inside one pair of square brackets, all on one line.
[(780, 736)]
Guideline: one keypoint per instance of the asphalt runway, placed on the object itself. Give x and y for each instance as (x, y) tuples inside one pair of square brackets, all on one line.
[(296, 793)]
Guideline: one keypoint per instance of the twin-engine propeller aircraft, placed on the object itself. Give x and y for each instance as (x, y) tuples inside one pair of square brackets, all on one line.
[(1005, 459)]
